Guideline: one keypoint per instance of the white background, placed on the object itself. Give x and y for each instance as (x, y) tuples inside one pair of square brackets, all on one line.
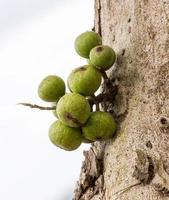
[(36, 40)]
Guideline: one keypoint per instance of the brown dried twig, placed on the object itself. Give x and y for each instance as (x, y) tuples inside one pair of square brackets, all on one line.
[(37, 106)]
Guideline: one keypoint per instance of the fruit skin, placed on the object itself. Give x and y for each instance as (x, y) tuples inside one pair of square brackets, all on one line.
[(65, 137), (51, 88), (102, 57), (86, 41), (100, 126), (84, 80), (73, 109)]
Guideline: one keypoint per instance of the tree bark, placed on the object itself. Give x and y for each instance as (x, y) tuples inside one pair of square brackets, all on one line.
[(134, 164)]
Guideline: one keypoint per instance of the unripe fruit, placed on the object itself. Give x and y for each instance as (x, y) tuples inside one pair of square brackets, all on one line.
[(102, 57), (100, 126), (73, 110), (65, 137), (84, 80), (86, 41), (51, 88)]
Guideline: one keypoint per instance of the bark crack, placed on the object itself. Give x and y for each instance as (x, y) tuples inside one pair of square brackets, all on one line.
[(98, 27), (91, 178), (144, 168), (161, 180)]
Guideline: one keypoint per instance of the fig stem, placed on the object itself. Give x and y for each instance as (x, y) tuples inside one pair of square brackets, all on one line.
[(97, 107), (93, 100), (96, 99), (104, 75), (96, 103), (37, 106)]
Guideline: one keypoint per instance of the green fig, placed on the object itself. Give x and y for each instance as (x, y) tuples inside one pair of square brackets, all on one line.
[(86, 41), (102, 57), (65, 137), (51, 88), (84, 80), (100, 126), (73, 110)]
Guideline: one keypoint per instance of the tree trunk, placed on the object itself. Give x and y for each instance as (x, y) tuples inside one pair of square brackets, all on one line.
[(133, 165)]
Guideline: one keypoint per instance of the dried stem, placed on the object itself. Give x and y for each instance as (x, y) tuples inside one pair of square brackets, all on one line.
[(37, 106), (122, 191), (97, 107), (96, 102), (104, 75), (99, 98), (93, 100)]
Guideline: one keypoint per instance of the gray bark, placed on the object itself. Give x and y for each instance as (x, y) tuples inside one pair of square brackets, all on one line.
[(134, 165)]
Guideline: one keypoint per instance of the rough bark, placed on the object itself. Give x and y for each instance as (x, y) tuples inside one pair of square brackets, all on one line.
[(134, 164)]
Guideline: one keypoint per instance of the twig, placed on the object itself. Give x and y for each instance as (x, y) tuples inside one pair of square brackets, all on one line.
[(96, 103), (104, 75), (99, 98), (37, 106), (93, 100), (97, 107), (122, 191)]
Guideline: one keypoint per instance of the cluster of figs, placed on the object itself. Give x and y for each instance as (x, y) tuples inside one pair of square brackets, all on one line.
[(76, 121)]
